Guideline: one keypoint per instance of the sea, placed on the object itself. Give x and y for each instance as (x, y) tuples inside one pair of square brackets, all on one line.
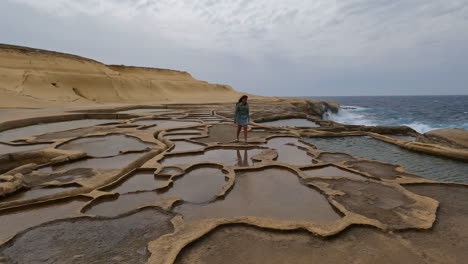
[(422, 113)]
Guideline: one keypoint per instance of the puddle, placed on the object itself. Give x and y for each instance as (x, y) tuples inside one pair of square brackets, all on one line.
[(271, 193), (227, 134), (185, 146), (140, 181), (35, 193), (117, 162), (381, 170), (36, 178), (175, 115), (166, 124), (80, 132), (211, 119), (114, 206), (186, 131), (15, 220), (5, 149), (287, 153), (335, 157), (198, 186), (230, 157), (171, 170), (186, 136), (105, 146), (332, 172), (87, 240), (39, 129), (142, 110), (291, 122), (428, 166)]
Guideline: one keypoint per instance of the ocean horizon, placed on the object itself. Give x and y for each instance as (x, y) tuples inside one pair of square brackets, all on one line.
[(420, 112)]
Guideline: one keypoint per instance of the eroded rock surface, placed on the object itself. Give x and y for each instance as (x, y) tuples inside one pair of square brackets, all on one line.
[(451, 137), (173, 186), (87, 240), (244, 244)]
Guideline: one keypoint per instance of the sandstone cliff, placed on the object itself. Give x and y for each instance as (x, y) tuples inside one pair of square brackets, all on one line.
[(33, 78)]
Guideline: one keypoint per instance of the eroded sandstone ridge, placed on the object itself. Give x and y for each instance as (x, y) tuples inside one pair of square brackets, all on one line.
[(167, 184), (31, 77)]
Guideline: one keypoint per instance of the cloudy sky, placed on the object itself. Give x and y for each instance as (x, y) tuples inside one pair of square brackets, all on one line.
[(268, 47)]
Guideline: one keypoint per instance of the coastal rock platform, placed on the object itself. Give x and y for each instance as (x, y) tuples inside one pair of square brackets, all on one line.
[(169, 184)]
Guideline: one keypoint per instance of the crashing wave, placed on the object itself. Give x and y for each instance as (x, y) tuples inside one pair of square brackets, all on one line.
[(355, 115), (349, 115), (420, 127)]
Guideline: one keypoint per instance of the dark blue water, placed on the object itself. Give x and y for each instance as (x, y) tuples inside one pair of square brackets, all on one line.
[(422, 113)]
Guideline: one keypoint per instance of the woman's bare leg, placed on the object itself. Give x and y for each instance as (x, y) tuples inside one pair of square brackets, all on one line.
[(245, 132), (239, 127)]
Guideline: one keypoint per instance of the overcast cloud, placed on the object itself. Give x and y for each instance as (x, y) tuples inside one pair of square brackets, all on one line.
[(268, 47)]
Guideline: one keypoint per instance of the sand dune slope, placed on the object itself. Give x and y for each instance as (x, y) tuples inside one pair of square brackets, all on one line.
[(31, 78)]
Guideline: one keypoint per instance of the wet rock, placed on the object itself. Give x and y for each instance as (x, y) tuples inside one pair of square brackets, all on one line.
[(375, 168), (335, 157), (244, 244), (389, 204), (446, 241), (449, 137), (88, 240)]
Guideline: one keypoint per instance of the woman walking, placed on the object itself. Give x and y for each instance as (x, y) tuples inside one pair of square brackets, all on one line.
[(241, 116)]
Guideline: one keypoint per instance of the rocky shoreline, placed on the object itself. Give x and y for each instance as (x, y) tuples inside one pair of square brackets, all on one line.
[(118, 164), (176, 171)]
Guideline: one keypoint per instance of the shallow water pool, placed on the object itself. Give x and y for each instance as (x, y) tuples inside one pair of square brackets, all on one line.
[(39, 129), (427, 166), (291, 122)]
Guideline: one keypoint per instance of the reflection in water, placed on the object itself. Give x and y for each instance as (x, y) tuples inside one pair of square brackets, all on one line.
[(242, 162), (224, 156)]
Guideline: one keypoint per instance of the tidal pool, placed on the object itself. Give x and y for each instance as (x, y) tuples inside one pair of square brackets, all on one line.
[(197, 186), (144, 110), (117, 162), (105, 146), (28, 131), (289, 154), (166, 124), (292, 122), (4, 148), (424, 165), (270, 193), (183, 145), (231, 157), (181, 136), (35, 193), (137, 182), (332, 172)]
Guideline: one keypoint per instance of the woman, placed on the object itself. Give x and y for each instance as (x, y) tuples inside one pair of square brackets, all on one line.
[(241, 116)]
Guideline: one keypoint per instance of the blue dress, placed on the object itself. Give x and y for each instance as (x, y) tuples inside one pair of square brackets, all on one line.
[(241, 115)]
